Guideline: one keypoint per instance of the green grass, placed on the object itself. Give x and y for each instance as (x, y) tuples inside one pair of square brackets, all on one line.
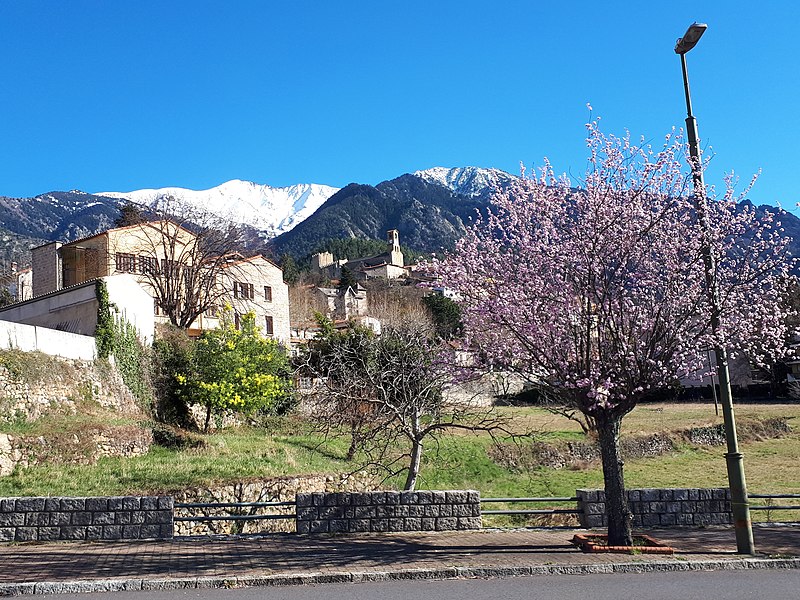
[(233, 456), (289, 448)]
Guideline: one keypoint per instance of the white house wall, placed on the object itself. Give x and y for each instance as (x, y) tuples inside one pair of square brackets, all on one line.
[(30, 338), (74, 310), (134, 304)]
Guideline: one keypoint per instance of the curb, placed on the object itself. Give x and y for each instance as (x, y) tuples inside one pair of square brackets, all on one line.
[(317, 578)]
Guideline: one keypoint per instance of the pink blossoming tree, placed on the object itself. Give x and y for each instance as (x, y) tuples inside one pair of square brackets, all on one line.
[(597, 294)]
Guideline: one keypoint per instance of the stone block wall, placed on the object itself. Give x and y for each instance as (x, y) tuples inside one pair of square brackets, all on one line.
[(78, 519), (661, 507), (363, 512)]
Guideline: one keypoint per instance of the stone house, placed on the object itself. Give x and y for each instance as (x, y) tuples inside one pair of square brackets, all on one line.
[(133, 249), (255, 285), (342, 304), (163, 246), (18, 282)]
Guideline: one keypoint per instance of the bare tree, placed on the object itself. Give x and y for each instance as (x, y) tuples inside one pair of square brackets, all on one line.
[(303, 302), (386, 394), (183, 257), (395, 304)]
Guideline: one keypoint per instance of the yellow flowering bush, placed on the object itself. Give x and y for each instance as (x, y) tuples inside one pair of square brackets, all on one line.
[(237, 370)]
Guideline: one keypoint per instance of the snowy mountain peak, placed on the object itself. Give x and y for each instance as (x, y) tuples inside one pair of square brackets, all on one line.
[(270, 209), (466, 181)]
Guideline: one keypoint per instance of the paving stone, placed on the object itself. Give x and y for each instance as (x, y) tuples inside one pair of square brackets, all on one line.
[(81, 518), (25, 534), (285, 559), (131, 503), (409, 498), (103, 518)]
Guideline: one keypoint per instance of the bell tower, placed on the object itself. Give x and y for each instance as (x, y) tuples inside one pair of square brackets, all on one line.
[(393, 237)]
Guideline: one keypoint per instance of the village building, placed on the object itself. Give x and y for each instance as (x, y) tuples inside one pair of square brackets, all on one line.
[(342, 304), (254, 285), (136, 251), (386, 265), (76, 309), (18, 282)]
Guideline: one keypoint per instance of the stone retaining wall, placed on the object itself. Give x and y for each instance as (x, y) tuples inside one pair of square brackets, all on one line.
[(77, 519), (661, 507), (362, 512), (279, 489), (56, 383)]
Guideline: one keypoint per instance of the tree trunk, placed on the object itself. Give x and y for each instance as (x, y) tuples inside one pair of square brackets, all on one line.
[(619, 517), (416, 454), (413, 468), (208, 419), (351, 451)]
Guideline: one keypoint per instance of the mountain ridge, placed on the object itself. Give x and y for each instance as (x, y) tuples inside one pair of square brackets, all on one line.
[(431, 209), (272, 210)]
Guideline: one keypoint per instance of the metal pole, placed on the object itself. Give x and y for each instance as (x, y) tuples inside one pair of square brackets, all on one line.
[(740, 506), (713, 386)]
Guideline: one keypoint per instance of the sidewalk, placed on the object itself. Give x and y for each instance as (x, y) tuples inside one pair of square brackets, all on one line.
[(286, 559)]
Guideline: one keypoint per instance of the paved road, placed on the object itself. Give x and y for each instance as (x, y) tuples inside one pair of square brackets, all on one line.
[(727, 585), (281, 560)]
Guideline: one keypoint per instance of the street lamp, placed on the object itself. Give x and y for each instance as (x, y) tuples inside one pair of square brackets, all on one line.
[(733, 458)]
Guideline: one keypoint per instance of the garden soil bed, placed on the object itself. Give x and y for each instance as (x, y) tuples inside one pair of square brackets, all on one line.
[(642, 544)]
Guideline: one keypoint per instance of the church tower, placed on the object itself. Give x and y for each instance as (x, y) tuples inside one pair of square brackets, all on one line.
[(393, 237)]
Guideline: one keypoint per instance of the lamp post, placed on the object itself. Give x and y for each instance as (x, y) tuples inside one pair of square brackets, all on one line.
[(733, 458)]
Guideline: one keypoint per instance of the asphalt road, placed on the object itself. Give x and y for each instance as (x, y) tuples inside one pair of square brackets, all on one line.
[(709, 585)]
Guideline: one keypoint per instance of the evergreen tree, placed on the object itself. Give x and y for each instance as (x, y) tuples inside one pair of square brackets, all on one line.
[(347, 280), (130, 214), (446, 315), (291, 272)]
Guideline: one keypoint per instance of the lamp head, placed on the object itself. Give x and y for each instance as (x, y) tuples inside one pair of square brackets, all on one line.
[(690, 38)]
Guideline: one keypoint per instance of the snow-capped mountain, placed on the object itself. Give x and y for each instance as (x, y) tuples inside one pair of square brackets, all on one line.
[(467, 181), (272, 210)]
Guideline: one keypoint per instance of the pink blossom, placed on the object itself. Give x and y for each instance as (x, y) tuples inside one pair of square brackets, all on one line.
[(600, 291)]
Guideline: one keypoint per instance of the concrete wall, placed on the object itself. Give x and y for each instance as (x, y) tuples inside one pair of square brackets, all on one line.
[(74, 309), (661, 507), (79, 519), (362, 512), (30, 338)]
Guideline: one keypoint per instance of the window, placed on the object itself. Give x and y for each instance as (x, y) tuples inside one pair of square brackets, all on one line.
[(269, 328), (126, 263), (243, 290), (188, 278), (237, 321), (147, 265), (268, 293), (169, 268)]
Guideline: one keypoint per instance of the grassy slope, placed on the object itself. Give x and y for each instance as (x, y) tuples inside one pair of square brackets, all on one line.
[(455, 462)]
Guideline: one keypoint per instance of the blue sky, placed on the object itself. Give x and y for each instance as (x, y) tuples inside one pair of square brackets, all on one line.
[(116, 96)]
